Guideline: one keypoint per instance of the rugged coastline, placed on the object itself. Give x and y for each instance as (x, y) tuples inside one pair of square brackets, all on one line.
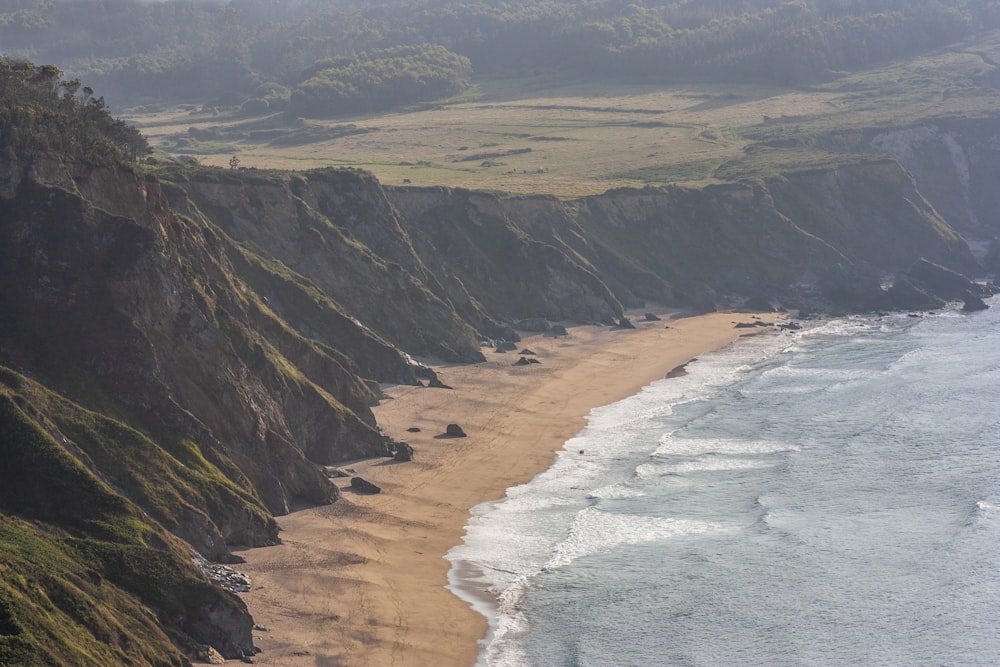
[(194, 346)]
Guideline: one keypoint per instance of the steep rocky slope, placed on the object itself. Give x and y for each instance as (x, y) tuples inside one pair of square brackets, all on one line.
[(336, 230)]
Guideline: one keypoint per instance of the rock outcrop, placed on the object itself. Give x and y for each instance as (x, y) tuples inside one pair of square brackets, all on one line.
[(945, 283), (972, 303), (905, 295), (927, 286)]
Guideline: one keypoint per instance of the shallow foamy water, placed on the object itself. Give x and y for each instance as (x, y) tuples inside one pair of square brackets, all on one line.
[(827, 497)]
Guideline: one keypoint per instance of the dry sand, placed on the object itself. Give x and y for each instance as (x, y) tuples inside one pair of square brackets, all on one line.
[(362, 581)]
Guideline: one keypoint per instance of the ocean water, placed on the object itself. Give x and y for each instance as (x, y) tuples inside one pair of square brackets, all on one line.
[(823, 497)]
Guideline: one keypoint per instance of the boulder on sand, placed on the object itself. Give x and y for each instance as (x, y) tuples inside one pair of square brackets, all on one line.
[(454, 431), (404, 452), (362, 485)]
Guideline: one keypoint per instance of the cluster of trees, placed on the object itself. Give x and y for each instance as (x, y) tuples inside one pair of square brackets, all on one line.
[(42, 113), (380, 79), (190, 49)]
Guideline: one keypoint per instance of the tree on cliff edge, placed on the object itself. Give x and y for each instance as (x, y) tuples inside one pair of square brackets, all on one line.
[(43, 114)]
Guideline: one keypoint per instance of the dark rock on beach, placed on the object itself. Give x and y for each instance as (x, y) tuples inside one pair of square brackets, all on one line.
[(678, 371), (362, 485), (454, 431), (404, 452)]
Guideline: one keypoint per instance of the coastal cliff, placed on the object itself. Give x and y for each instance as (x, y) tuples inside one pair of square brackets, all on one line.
[(188, 350)]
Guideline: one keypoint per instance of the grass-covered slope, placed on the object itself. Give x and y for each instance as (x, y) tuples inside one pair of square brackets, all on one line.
[(88, 578)]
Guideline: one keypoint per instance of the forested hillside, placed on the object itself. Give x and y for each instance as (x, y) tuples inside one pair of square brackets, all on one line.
[(333, 55)]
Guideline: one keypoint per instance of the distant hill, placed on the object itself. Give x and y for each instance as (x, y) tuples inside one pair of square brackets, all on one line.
[(230, 53)]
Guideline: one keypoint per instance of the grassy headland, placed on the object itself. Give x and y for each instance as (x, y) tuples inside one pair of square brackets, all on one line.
[(546, 135)]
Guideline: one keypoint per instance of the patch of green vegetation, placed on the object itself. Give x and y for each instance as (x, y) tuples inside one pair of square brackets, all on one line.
[(696, 170), (194, 147), (545, 138), (310, 133), (476, 157), (766, 162), (380, 79), (174, 173)]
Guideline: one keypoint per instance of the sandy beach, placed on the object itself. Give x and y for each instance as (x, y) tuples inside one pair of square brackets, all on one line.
[(362, 581)]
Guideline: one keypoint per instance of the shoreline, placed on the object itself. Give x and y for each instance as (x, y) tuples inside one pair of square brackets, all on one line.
[(365, 581), (468, 583)]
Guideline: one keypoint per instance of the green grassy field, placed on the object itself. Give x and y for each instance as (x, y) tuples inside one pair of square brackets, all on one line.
[(540, 135)]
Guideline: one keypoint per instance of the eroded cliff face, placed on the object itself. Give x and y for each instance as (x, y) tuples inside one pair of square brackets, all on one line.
[(505, 254), (219, 380), (822, 239), (337, 231), (955, 163), (88, 576)]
